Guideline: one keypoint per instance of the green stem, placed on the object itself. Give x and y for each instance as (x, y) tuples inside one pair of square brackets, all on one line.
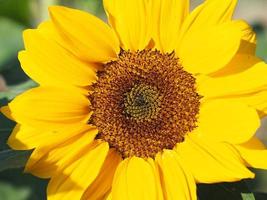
[(248, 196)]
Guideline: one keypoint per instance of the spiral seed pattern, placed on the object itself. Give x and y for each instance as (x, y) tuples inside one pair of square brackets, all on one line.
[(144, 102)]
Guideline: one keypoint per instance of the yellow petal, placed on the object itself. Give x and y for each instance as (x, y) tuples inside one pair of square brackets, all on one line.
[(25, 137), (49, 31), (216, 12), (48, 158), (49, 108), (87, 36), (257, 100), (239, 64), (252, 79), (210, 13), (156, 169), (211, 162), (248, 35), (168, 17), (245, 56), (75, 178), (222, 120), (177, 181), (102, 184), (48, 63), (249, 39), (134, 179), (7, 112), (108, 196), (210, 49), (119, 185), (253, 143), (254, 153), (189, 21), (131, 21)]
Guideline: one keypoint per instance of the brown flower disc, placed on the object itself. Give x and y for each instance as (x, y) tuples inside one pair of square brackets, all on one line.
[(144, 102)]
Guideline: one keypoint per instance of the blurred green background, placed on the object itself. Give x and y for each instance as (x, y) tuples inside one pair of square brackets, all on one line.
[(17, 15)]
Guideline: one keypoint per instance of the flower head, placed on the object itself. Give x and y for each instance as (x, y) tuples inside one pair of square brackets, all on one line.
[(145, 108)]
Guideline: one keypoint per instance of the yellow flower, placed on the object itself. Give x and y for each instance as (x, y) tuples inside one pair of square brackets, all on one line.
[(142, 109)]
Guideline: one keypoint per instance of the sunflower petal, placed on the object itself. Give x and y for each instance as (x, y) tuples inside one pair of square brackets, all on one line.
[(252, 79), (254, 153), (254, 143), (47, 159), (208, 50), (257, 100), (168, 17), (131, 21), (156, 169), (228, 121), (49, 108), (49, 31), (216, 12), (48, 63), (178, 183), (108, 196), (103, 182), (239, 64), (210, 13), (216, 162), (25, 137), (134, 179), (75, 178), (245, 56), (87, 36)]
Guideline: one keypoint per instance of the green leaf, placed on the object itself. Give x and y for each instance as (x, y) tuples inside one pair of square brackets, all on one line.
[(17, 10), (10, 159), (6, 127), (260, 196), (10, 40), (10, 192), (93, 6), (222, 191), (19, 180), (4, 134), (13, 91), (262, 45), (248, 196)]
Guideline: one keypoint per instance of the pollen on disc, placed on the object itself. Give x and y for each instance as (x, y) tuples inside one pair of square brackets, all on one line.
[(144, 102)]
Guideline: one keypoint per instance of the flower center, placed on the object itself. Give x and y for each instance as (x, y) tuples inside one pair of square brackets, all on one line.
[(144, 102)]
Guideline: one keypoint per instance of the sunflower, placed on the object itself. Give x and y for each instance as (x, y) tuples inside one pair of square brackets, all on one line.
[(143, 108)]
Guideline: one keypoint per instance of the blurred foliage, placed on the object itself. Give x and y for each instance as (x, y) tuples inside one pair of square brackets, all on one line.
[(16, 15), (17, 10), (225, 191), (11, 43), (248, 196), (21, 181), (10, 192), (6, 126), (92, 6), (15, 90), (11, 159), (262, 44)]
